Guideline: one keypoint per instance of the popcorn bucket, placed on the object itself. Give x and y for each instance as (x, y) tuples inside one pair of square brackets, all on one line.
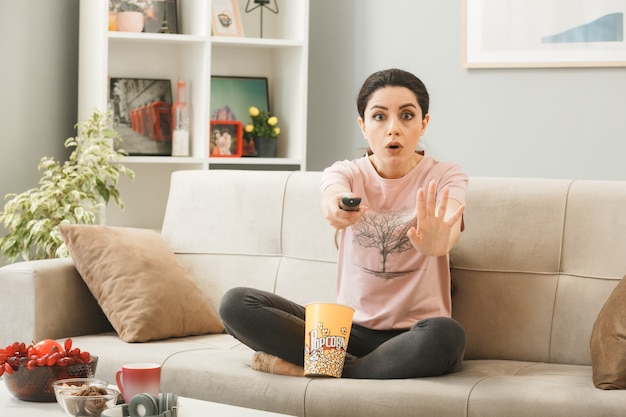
[(327, 331)]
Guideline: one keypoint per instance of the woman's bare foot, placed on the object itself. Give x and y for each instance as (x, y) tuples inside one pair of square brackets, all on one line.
[(264, 362)]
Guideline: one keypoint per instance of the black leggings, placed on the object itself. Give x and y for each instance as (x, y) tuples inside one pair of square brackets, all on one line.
[(272, 324)]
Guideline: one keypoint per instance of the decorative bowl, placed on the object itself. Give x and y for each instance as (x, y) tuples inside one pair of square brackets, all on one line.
[(87, 401), (62, 384), (36, 384)]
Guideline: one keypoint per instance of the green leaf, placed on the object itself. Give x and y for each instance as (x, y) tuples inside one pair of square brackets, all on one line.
[(71, 192)]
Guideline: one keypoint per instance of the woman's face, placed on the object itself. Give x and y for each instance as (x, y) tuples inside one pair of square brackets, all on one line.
[(393, 124)]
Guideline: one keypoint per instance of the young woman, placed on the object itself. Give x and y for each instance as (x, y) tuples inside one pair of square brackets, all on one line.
[(393, 265)]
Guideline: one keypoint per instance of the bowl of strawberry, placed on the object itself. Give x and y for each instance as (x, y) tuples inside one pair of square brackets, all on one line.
[(30, 370)]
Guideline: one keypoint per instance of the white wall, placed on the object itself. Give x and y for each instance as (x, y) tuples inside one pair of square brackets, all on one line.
[(38, 69), (557, 123), (38, 72), (333, 83)]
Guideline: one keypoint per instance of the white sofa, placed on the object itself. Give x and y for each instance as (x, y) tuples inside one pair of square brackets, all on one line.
[(533, 268)]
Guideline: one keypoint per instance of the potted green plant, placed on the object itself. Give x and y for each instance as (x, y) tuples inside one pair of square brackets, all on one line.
[(131, 5), (263, 131), (129, 14), (72, 192)]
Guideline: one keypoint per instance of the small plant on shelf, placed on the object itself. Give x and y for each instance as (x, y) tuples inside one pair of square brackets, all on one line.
[(72, 192), (260, 135), (263, 125), (129, 5)]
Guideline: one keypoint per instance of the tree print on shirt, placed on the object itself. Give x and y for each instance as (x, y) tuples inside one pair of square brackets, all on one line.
[(386, 232)]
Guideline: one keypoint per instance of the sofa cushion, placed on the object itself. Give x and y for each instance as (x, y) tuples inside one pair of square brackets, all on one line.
[(608, 342), (142, 288)]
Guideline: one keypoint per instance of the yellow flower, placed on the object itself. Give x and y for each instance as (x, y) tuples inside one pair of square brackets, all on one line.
[(263, 125)]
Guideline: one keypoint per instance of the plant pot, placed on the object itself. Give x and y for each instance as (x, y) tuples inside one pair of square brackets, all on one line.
[(265, 147), (129, 21), (112, 21)]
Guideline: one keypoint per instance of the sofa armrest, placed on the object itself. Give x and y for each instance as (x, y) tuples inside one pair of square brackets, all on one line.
[(46, 299)]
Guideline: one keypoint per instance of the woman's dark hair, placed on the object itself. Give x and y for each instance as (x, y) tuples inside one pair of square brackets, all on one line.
[(392, 78)]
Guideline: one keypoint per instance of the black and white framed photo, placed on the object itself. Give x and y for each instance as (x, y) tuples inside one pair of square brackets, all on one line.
[(142, 113)]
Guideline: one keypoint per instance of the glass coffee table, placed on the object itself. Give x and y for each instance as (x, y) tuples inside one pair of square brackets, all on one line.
[(11, 406)]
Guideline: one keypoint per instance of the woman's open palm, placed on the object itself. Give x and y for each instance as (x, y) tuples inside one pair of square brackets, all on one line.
[(435, 232)]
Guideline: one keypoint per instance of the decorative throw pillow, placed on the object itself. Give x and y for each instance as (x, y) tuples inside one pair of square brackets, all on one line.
[(608, 342), (142, 288)]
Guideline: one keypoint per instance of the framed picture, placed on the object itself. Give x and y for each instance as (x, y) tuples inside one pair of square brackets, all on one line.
[(543, 33), (231, 97), (142, 112), (161, 17), (225, 18), (225, 138)]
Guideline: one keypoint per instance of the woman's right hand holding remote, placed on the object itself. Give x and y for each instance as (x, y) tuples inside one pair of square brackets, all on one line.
[(332, 207)]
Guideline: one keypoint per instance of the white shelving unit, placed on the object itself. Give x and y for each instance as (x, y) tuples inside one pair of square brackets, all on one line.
[(194, 55)]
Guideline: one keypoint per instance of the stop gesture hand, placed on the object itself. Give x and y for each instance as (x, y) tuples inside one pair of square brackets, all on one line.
[(438, 228)]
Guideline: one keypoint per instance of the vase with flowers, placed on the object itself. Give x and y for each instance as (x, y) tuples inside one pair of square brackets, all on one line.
[(129, 14), (262, 133)]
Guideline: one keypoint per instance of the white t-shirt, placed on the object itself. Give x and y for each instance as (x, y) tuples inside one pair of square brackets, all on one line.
[(389, 283)]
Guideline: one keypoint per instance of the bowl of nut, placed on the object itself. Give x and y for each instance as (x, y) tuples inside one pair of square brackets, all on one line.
[(88, 400), (29, 371), (76, 383)]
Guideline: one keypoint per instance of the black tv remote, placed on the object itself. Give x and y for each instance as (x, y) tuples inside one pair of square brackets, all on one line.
[(350, 203)]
